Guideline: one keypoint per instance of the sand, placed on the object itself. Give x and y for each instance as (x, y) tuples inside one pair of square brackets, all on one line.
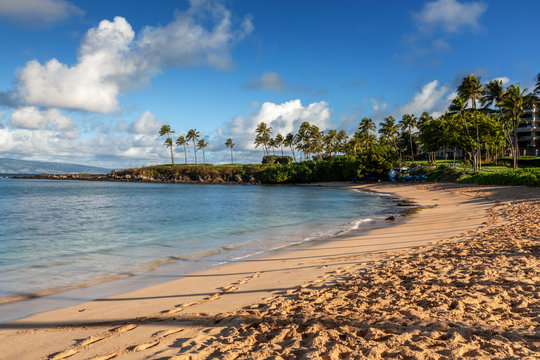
[(459, 279)]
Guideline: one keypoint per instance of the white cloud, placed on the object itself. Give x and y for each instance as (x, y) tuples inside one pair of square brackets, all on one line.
[(283, 118), (37, 13), (430, 99), (113, 60), (267, 81), (29, 117), (450, 15), (145, 124), (504, 80)]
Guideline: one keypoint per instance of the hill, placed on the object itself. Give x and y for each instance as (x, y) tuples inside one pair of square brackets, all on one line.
[(15, 166)]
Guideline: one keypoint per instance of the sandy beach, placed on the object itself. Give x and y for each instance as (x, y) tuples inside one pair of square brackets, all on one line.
[(459, 279)]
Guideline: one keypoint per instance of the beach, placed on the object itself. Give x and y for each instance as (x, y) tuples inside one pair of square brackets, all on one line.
[(460, 278)]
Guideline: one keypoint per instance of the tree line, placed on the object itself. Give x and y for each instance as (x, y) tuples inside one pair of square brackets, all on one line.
[(482, 121), (192, 135)]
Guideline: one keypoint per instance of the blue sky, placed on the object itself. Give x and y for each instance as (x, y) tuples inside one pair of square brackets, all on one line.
[(91, 81)]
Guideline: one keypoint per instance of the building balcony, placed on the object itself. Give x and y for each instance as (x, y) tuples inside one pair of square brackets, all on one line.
[(524, 128)]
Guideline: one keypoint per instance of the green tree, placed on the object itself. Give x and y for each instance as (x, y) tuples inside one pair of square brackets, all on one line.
[(459, 107), (229, 143), (289, 142), (166, 130), (366, 129), (279, 142), (492, 95), (472, 89), (514, 102), (407, 123), (181, 141), (202, 145), (389, 131), (537, 88), (330, 142), (193, 135), (263, 133)]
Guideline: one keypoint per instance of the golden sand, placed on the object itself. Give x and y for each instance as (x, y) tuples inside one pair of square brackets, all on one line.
[(457, 280)]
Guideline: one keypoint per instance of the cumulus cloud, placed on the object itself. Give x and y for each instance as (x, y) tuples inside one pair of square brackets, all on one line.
[(430, 99), (30, 117), (113, 60), (267, 81), (145, 124), (450, 15), (283, 118), (37, 13)]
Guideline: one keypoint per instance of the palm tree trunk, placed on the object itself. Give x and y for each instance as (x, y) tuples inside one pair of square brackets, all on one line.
[(232, 162), (203, 157), (185, 153), (195, 151), (516, 148), (292, 151), (172, 158)]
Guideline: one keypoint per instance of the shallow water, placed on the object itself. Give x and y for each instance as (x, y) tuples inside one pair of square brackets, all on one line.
[(56, 234)]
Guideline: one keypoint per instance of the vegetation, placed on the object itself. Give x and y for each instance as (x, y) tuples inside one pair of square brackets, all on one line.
[(480, 124)]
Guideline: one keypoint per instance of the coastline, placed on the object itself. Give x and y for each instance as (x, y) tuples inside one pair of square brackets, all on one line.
[(174, 265), (194, 304)]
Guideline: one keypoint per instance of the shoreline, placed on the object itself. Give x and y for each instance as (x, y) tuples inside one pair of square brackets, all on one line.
[(161, 270), (192, 304)]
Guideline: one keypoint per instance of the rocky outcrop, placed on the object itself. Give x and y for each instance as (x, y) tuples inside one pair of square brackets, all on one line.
[(129, 177)]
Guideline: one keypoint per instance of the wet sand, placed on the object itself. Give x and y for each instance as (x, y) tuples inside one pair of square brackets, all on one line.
[(459, 279)]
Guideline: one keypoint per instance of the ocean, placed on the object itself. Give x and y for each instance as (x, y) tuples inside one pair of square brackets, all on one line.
[(57, 235)]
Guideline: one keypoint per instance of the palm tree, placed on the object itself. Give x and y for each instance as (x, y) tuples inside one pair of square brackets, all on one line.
[(279, 142), (166, 130), (459, 106), (181, 141), (390, 130), (514, 102), (472, 89), (407, 123), (492, 93), (289, 142), (263, 133), (341, 139), (330, 141), (193, 135), (202, 145), (537, 88), (229, 143)]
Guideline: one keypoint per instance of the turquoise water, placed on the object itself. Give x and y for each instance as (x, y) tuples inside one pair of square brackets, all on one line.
[(56, 234)]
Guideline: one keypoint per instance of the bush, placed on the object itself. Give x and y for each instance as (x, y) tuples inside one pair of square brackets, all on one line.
[(526, 177), (523, 161), (274, 159)]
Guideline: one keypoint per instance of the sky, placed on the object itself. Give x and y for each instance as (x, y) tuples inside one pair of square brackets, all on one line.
[(92, 81)]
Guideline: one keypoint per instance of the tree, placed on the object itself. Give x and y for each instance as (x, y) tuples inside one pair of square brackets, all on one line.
[(458, 106), (193, 135), (181, 141), (492, 93), (330, 141), (289, 142), (472, 89), (166, 130), (514, 102), (537, 88), (389, 132), (229, 143), (407, 123), (263, 133), (279, 142), (202, 145), (366, 129)]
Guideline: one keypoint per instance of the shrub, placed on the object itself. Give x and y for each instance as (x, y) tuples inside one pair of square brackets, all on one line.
[(526, 177), (274, 159)]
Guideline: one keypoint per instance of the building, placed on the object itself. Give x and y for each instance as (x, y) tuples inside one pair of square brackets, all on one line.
[(529, 131)]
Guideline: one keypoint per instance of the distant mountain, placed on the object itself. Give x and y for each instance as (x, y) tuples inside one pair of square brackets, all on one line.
[(14, 166)]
